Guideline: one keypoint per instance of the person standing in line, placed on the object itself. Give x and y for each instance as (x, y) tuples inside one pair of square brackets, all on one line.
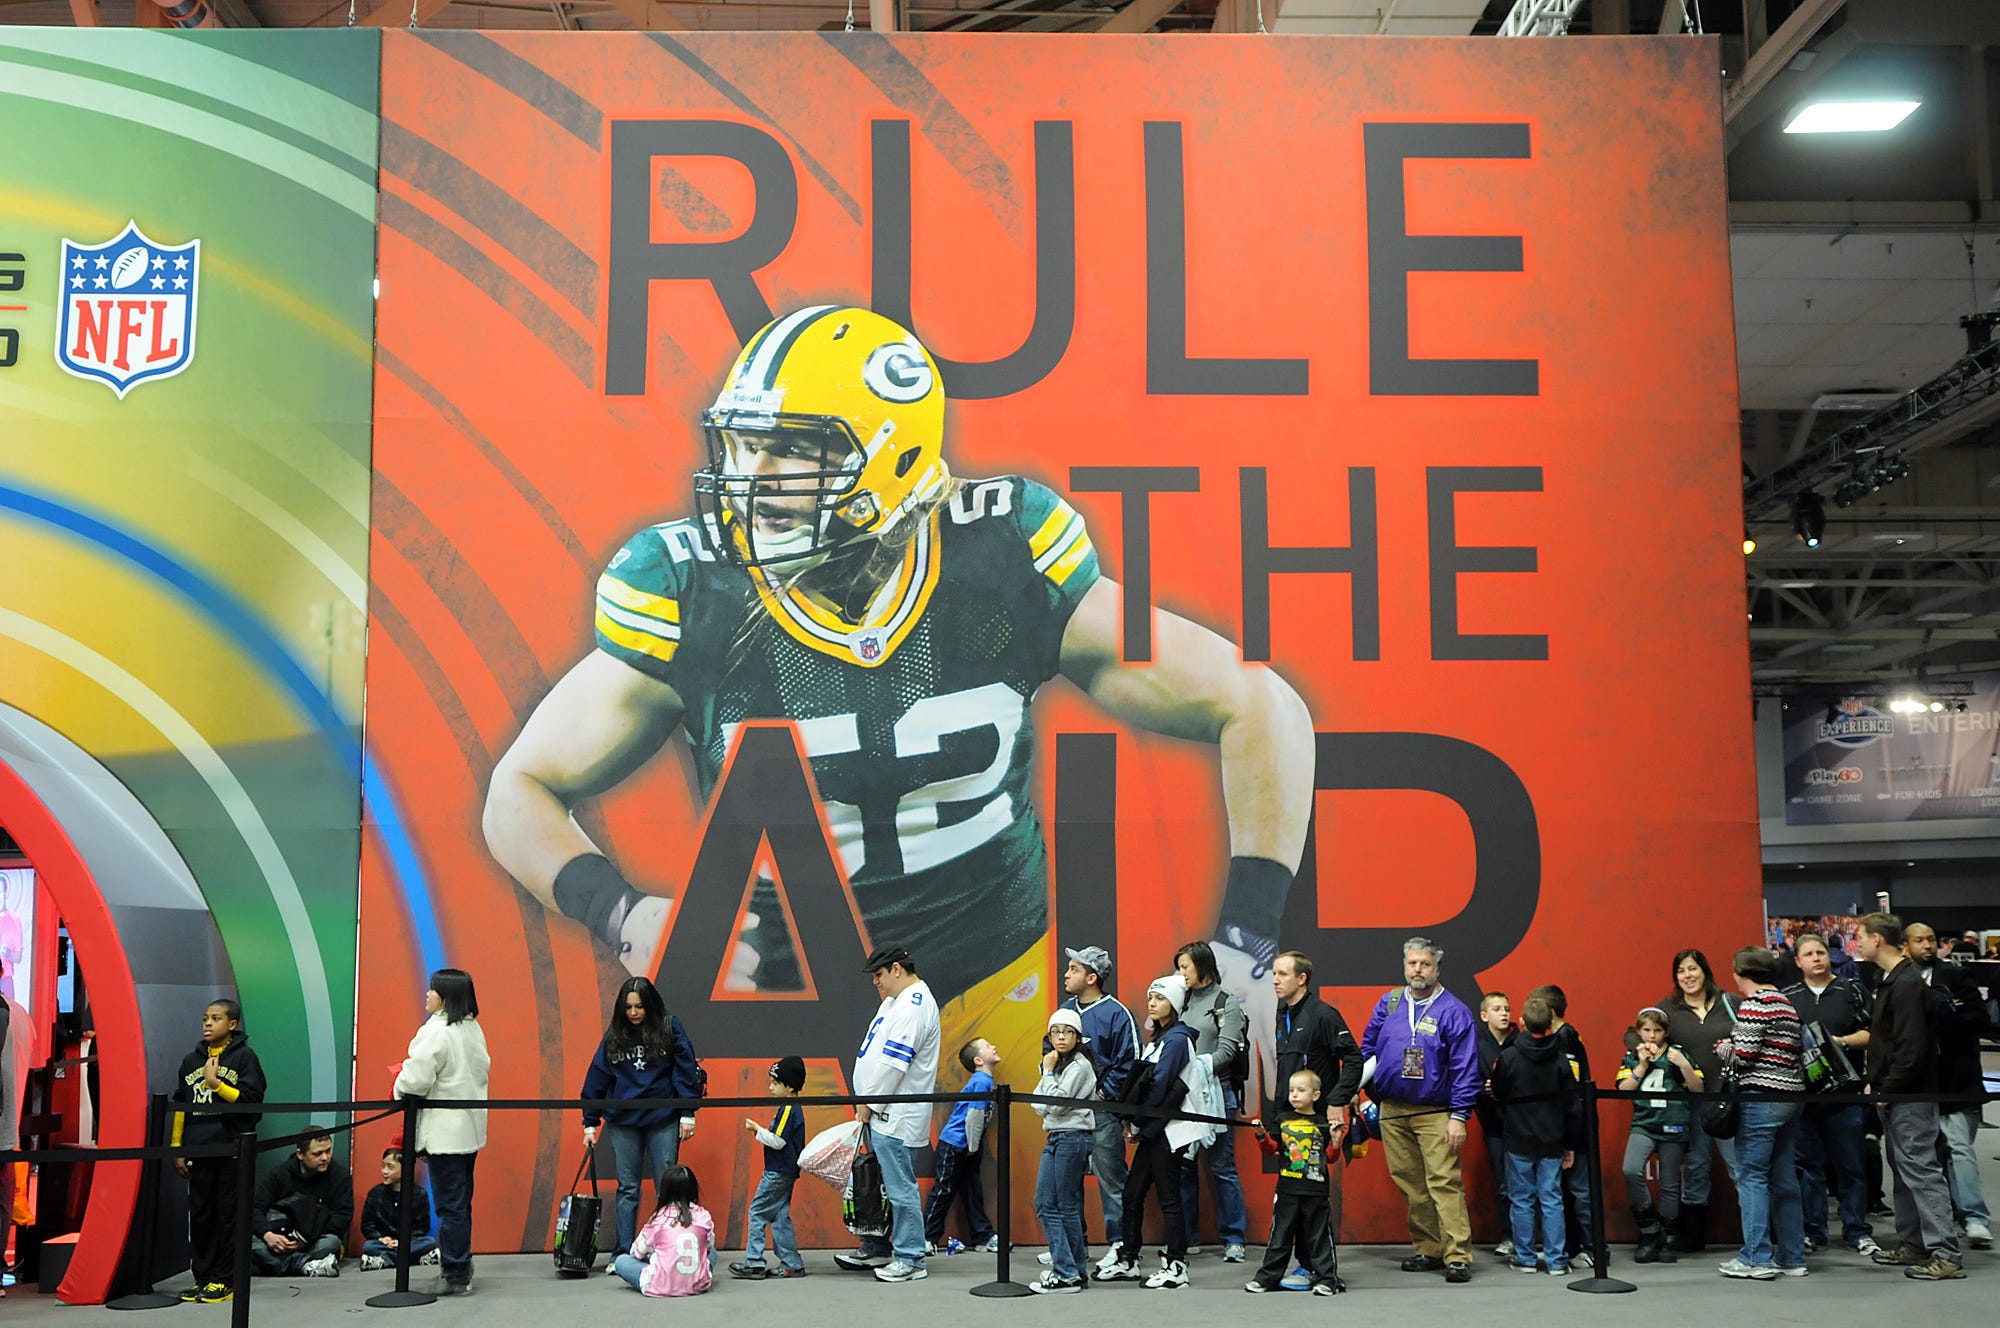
[(1113, 1038), (1768, 1050), (1536, 1086), (1301, 1216), (1067, 1072), (1154, 1163), (898, 1055), (1496, 1029), (1961, 1022), (448, 1061), (1220, 1033), (1575, 1181), (222, 1068), (1832, 1137), (1312, 1035), (955, 1160), (1660, 1127), (645, 1053), (1700, 1018), (1903, 1058), (771, 1206), (1424, 1046)]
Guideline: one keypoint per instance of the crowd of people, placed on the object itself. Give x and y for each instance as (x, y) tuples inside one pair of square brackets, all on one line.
[(1138, 1101)]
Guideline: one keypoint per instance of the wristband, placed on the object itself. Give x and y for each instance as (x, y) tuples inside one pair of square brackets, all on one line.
[(1253, 906), (592, 891)]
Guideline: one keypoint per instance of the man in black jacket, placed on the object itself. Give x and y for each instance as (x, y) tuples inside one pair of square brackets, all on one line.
[(1902, 1058), (303, 1211), (1961, 1019), (1832, 1145), (1311, 1035)]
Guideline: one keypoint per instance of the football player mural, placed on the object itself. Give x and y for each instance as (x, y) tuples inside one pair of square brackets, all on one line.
[(837, 579)]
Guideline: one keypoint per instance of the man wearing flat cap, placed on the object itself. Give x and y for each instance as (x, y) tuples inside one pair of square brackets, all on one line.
[(899, 1055), (1113, 1038)]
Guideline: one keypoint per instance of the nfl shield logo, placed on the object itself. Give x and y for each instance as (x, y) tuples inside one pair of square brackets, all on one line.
[(868, 646), (127, 310)]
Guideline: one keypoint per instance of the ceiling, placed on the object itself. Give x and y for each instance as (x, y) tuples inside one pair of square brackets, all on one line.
[(1855, 257)]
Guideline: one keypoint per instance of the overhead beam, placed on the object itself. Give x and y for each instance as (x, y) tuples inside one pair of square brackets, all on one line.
[(1138, 16), (1790, 38), (85, 13)]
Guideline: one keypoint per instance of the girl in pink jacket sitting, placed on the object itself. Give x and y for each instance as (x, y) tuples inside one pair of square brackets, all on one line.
[(675, 1252)]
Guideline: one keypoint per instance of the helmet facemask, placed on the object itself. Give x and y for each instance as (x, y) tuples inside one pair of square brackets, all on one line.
[(779, 491)]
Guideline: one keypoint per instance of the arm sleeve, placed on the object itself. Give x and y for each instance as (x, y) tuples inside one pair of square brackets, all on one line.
[(1349, 1058), (686, 1080), (422, 1064), (341, 1206), (769, 1140), (638, 614), (1229, 1036), (1060, 549), (271, 1190), (596, 1084), (1371, 1037), (975, 1126), (374, 1218), (1465, 1077)]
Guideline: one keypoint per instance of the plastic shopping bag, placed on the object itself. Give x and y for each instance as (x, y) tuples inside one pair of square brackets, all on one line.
[(830, 1154)]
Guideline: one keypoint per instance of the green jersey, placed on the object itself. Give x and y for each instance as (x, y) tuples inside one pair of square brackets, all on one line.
[(913, 715)]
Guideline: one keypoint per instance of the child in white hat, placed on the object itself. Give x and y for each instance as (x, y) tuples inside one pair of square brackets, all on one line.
[(1068, 1071)]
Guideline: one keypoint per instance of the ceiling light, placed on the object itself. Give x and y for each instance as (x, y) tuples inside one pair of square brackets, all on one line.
[(1798, 585), (1849, 117), (1847, 648), (1942, 617), (1749, 544), (1898, 536), (1809, 518)]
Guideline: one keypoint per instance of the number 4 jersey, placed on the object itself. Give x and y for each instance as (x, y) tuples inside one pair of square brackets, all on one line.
[(914, 716)]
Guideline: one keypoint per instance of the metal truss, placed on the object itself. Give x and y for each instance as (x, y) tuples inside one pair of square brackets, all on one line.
[(1539, 18)]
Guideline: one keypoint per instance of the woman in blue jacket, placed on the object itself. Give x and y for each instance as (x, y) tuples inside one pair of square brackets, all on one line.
[(1156, 1082), (645, 1053)]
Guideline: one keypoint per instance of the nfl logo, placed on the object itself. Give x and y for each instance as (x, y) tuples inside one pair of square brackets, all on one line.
[(127, 310), (868, 646)]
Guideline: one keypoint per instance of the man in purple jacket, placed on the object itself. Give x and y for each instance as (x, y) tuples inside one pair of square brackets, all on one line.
[(1422, 1059)]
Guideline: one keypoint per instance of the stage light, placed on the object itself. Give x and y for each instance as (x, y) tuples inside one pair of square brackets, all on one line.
[(1749, 544), (1936, 706), (1809, 518), (1849, 117)]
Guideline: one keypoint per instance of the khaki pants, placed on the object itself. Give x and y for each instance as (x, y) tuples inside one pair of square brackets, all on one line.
[(1425, 1169)]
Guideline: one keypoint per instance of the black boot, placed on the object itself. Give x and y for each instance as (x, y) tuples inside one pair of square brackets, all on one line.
[(1651, 1236), (1691, 1236)]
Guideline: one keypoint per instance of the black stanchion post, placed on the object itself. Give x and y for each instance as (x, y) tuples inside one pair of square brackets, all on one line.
[(246, 1195), (149, 1211), (1600, 1281), (402, 1297), (1002, 1286)]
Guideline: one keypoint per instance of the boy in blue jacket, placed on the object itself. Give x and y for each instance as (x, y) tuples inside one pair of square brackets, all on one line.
[(957, 1154), (772, 1204)]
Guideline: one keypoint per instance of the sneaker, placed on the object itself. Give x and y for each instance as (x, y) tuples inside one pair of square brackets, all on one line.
[(992, 1245), (1254, 1285), (193, 1293), (901, 1270), (1558, 1270), (447, 1286), (1232, 1254), (1529, 1268), (1327, 1288), (1296, 1280), (1814, 1244), (1048, 1284), (1045, 1259), (1866, 1245), (1876, 1208), (1978, 1235), (1458, 1272), (1172, 1276), (859, 1261), (1793, 1270), (1422, 1263), (327, 1265), (1118, 1271), (429, 1258), (750, 1272), (1110, 1259), (782, 1271), (1192, 1250), (1505, 1249), (1935, 1269), (214, 1293), (1759, 1272), (1907, 1256), (372, 1262), (1581, 1259)]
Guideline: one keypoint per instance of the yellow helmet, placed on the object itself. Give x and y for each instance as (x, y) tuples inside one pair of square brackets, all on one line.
[(829, 429)]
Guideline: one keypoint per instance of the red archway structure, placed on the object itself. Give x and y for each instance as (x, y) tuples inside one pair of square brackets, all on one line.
[(121, 1049)]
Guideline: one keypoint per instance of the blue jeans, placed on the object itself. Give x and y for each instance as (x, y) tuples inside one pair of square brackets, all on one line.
[(1534, 1188), (1830, 1147), (1961, 1164), (642, 1152), (1230, 1219), (451, 1190), (906, 1205), (1701, 1150), (772, 1206), (1107, 1163), (1059, 1198), (631, 1269), (420, 1245), (1767, 1184)]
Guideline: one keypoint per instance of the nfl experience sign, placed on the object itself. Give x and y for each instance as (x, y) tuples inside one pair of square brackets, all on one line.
[(127, 309), (1320, 363)]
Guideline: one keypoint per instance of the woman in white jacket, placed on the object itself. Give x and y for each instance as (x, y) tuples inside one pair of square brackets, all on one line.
[(448, 1062)]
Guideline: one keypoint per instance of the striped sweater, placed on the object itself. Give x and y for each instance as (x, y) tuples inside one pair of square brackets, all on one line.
[(1768, 1041)]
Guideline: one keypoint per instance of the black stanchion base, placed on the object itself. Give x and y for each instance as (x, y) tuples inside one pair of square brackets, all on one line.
[(400, 1300), (1001, 1290), (143, 1300), (1602, 1286)]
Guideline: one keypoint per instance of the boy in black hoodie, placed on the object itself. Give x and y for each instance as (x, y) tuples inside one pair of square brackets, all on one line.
[(1533, 1083), (1575, 1181), (221, 1069)]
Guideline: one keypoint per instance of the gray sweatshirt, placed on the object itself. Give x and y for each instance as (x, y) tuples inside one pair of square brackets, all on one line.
[(1218, 1025), (1077, 1079)]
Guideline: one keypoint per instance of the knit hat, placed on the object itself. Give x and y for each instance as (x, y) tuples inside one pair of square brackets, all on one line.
[(790, 1071), (1174, 987), (1067, 1018)]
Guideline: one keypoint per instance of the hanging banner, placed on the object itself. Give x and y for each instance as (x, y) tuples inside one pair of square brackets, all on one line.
[(1850, 760)]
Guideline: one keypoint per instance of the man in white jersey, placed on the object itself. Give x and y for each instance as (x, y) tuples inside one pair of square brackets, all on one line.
[(899, 1055)]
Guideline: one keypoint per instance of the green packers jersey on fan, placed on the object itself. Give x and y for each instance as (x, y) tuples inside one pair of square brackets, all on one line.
[(915, 717)]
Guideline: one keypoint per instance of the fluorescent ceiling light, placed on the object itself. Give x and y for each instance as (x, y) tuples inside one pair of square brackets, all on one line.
[(1849, 117), (1942, 617), (1898, 536), (1847, 648), (1798, 585)]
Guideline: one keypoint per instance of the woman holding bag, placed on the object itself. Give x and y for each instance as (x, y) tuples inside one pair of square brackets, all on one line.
[(448, 1061), (1699, 1017), (644, 1053)]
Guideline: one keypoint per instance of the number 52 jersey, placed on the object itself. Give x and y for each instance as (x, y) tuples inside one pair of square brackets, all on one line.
[(914, 717)]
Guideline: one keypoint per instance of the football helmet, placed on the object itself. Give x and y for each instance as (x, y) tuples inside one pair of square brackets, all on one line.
[(828, 430)]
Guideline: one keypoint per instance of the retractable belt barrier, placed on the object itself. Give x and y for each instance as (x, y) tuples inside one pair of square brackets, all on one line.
[(247, 1145)]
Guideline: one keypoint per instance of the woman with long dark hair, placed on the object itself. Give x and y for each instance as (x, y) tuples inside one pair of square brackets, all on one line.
[(644, 1053), (448, 1062), (1699, 1017)]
